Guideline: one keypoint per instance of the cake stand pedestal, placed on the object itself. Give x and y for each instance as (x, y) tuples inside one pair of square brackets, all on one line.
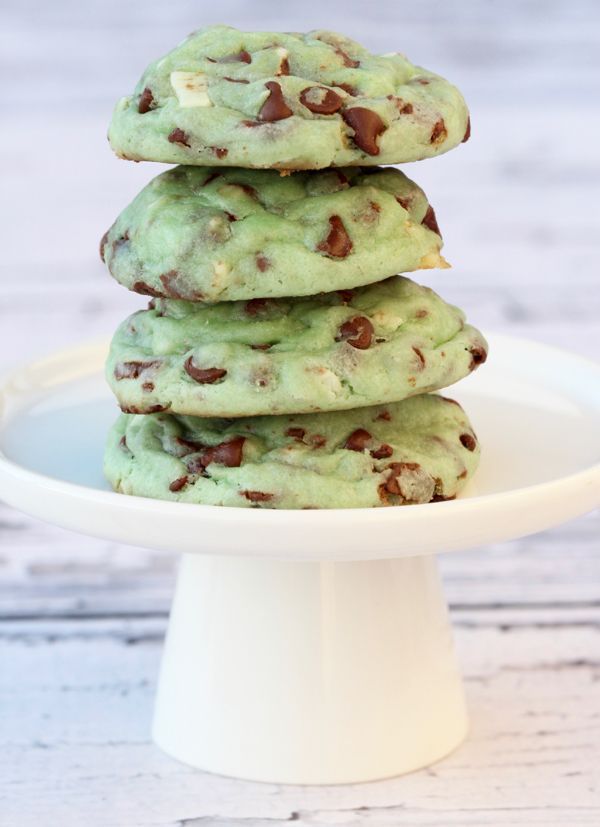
[(312, 647)]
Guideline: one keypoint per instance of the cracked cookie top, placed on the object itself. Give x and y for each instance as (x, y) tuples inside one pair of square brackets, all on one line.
[(288, 101)]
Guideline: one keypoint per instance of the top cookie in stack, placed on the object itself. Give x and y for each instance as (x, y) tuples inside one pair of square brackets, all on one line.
[(286, 101), (273, 280)]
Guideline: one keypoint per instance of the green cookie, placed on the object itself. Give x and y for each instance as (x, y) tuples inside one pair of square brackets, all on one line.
[(335, 351), (288, 101), (213, 234), (416, 451)]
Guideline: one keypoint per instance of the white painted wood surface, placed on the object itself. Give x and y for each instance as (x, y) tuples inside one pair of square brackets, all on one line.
[(82, 621)]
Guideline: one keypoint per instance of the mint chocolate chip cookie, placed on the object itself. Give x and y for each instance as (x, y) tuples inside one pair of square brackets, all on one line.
[(288, 101), (212, 234), (417, 451), (334, 351)]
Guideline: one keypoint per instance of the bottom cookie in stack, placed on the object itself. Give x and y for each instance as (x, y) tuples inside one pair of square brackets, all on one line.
[(422, 449)]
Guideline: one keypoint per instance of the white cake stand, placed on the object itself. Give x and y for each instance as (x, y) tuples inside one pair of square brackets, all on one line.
[(312, 647)]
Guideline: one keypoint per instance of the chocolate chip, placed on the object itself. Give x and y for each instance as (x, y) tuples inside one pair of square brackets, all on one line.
[(409, 481), (103, 241), (479, 355), (255, 306), (430, 221), (177, 485), (383, 452), (145, 290), (357, 440), (349, 62), (346, 295), (342, 177), (274, 108), (260, 347), (148, 386), (317, 440), (257, 496), (284, 68), (357, 332), (195, 467), (205, 376), (263, 263), (146, 101), (189, 446), (253, 123), (468, 442), (439, 133), (421, 359), (451, 401), (123, 444), (347, 87), (407, 109), (296, 433), (119, 242), (468, 132), (367, 126), (212, 178), (169, 281), (384, 415), (338, 243), (238, 57), (219, 152), (178, 136), (226, 453), (320, 100), (236, 80), (439, 498), (131, 370)]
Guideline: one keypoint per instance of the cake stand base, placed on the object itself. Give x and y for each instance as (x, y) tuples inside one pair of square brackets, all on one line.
[(309, 673)]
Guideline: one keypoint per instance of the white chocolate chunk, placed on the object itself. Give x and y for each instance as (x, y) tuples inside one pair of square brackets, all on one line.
[(190, 88), (221, 269)]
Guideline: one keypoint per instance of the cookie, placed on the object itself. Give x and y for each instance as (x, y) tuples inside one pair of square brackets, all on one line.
[(286, 100), (213, 234), (416, 451), (379, 343)]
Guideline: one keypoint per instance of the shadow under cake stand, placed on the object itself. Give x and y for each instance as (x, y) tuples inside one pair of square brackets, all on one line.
[(312, 647)]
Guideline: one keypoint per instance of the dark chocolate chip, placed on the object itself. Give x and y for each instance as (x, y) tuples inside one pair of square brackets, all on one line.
[(212, 178), (255, 306), (238, 57), (338, 243), (367, 126), (123, 444), (148, 386), (203, 376), (178, 136), (226, 453), (169, 281), (479, 355), (357, 440), (439, 133), (384, 415), (177, 485), (468, 132), (236, 80), (219, 151), (146, 101), (383, 452), (296, 433), (349, 62), (407, 109), (357, 332), (430, 221), (257, 496), (103, 244), (284, 68), (439, 498), (421, 359), (346, 295), (327, 103), (274, 108), (253, 123), (347, 87), (263, 263), (131, 370), (468, 442), (145, 290)]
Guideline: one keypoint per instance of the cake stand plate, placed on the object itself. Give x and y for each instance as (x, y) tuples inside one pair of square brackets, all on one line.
[(312, 646)]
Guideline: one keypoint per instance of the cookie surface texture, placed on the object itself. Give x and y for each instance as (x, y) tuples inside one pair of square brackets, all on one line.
[(416, 451), (335, 351), (216, 234), (289, 101)]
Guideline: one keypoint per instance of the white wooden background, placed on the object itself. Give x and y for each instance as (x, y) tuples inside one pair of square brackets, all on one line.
[(82, 621)]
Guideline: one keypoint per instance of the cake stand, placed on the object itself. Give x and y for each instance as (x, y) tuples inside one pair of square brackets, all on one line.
[(312, 647)]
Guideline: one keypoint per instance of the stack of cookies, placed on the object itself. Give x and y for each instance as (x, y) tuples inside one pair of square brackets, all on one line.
[(281, 362)]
